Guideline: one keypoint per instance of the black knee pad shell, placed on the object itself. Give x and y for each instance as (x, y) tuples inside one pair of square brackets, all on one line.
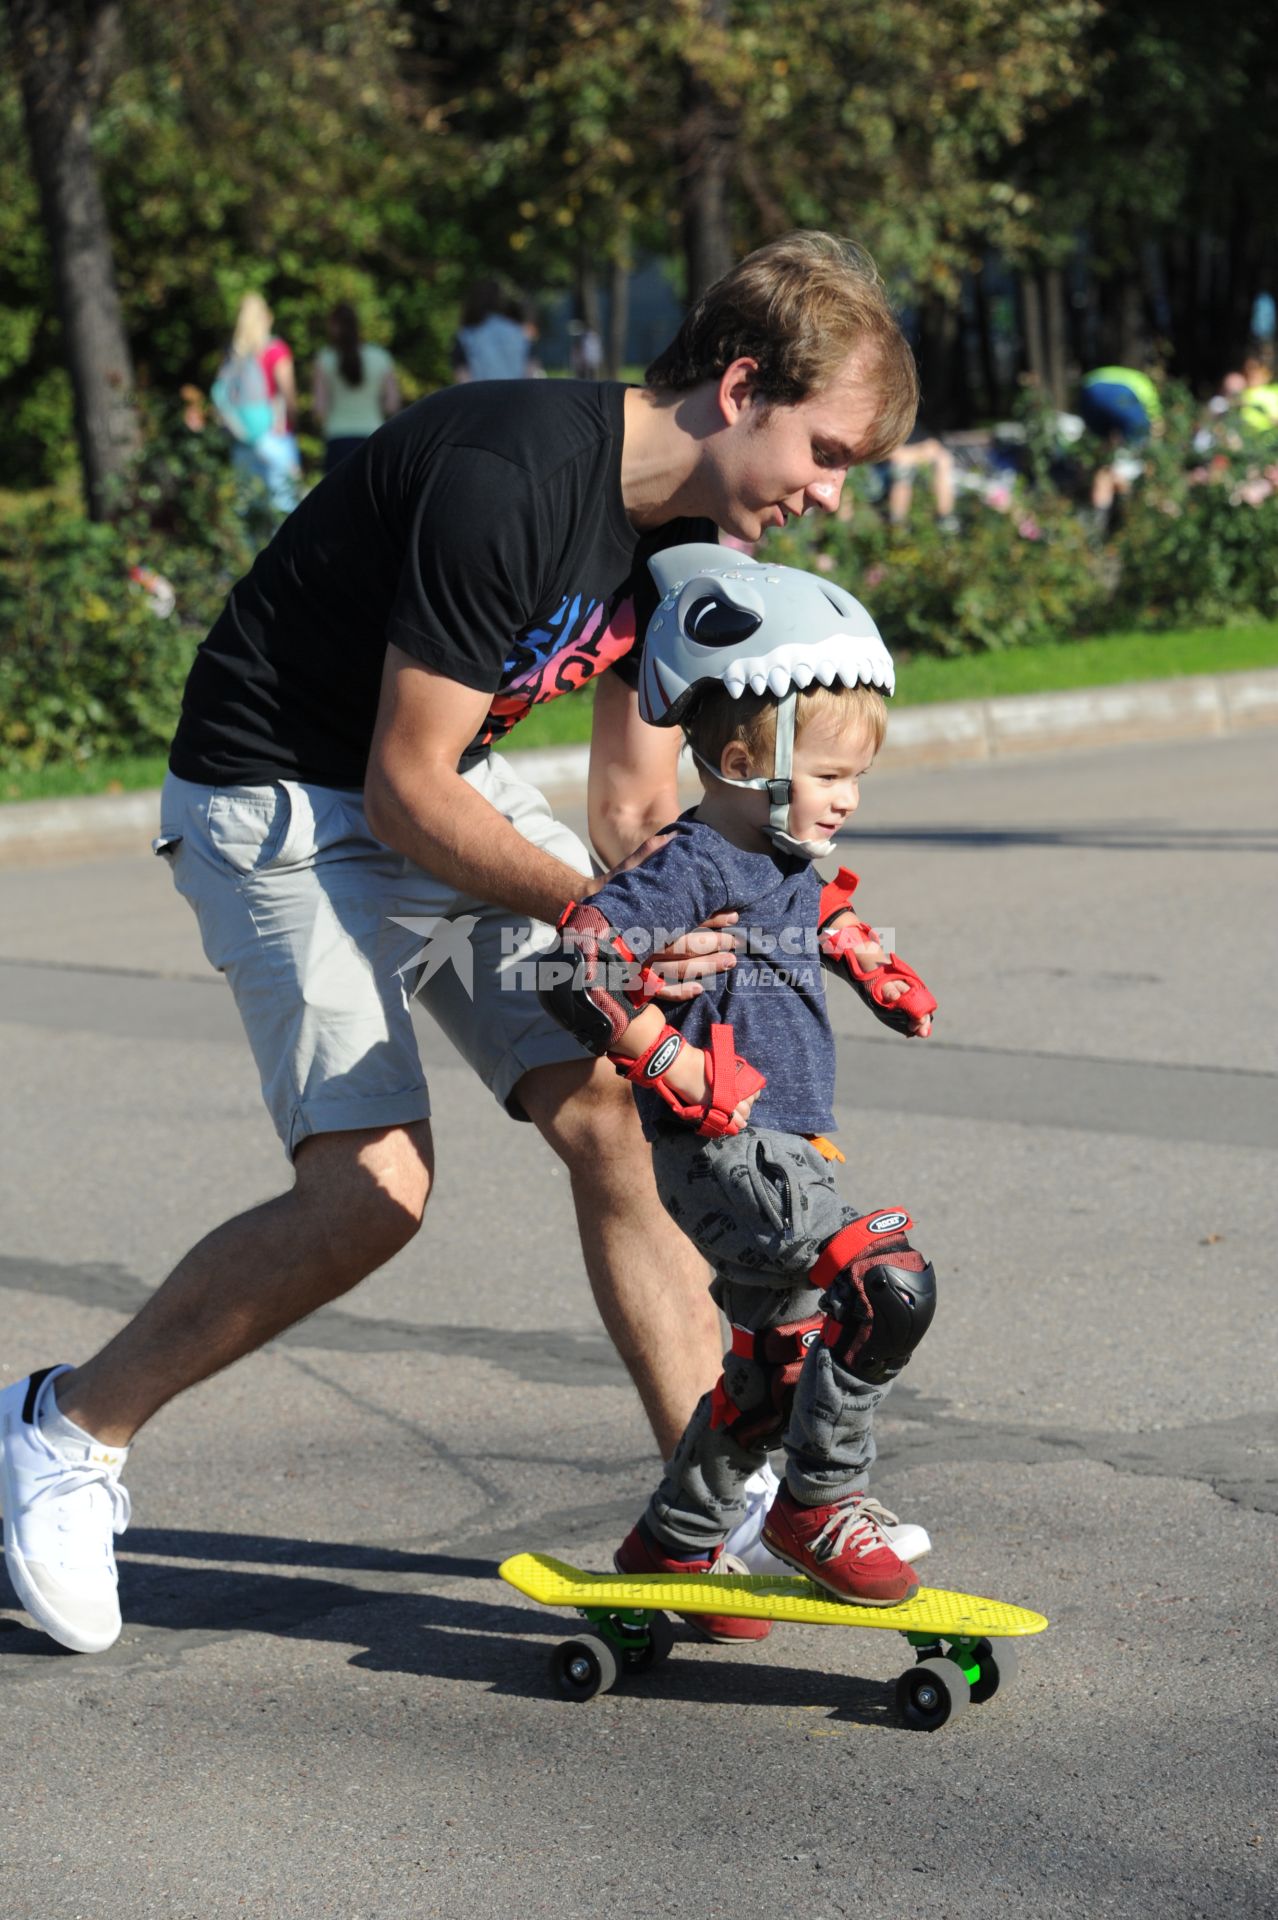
[(880, 1296)]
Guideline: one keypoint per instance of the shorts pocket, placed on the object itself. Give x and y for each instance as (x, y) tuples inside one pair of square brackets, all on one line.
[(749, 1203), (247, 826)]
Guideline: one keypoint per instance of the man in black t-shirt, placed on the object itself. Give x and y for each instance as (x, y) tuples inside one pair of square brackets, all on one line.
[(332, 777)]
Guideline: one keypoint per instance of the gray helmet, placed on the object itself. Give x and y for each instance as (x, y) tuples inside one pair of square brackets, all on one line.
[(727, 620)]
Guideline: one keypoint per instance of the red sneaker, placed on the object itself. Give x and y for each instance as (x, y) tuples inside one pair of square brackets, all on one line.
[(639, 1553), (842, 1546)]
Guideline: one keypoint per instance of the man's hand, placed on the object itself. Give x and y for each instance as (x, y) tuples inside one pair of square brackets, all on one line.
[(703, 951), (693, 957)]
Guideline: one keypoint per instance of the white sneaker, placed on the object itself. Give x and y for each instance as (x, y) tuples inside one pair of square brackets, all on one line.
[(62, 1504), (907, 1540)]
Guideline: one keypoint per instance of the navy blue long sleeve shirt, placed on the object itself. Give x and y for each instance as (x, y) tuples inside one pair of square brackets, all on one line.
[(773, 999)]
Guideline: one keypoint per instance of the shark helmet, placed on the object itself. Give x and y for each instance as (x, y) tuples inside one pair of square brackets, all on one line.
[(734, 622)]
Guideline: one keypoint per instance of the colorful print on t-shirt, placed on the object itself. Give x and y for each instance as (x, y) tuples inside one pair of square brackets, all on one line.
[(575, 644)]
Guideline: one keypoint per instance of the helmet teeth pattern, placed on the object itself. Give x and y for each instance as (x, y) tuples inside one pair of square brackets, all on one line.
[(810, 632)]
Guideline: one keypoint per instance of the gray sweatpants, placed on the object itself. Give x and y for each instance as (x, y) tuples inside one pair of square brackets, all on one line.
[(760, 1205)]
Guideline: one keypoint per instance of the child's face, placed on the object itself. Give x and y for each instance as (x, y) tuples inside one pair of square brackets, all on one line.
[(830, 757), (831, 754)]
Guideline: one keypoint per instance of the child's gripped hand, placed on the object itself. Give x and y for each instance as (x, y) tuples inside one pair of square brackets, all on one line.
[(864, 942), (689, 1077), (891, 991), (869, 958)]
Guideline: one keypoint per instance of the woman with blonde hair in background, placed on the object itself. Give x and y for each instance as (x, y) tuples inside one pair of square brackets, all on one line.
[(256, 395)]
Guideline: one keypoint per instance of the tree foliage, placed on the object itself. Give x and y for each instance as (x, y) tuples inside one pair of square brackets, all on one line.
[(892, 119), (387, 151)]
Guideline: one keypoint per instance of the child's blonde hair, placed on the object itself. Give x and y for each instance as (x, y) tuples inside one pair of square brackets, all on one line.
[(716, 719)]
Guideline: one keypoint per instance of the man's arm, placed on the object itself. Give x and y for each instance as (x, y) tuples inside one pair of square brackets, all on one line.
[(417, 802), (632, 788)]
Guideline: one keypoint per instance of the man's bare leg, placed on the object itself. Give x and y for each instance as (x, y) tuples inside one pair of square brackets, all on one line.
[(649, 1282), (357, 1199)]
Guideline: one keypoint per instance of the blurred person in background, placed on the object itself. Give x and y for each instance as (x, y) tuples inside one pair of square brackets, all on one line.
[(489, 344), (585, 351), (354, 387), (1258, 400), (1122, 407), (255, 395), (924, 454)]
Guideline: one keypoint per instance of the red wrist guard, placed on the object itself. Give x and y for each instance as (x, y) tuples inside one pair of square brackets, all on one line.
[(839, 947), (648, 982), (729, 1079)]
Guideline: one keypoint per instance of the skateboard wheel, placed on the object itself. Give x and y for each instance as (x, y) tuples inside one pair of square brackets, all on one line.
[(997, 1660), (932, 1693), (583, 1667), (657, 1646)]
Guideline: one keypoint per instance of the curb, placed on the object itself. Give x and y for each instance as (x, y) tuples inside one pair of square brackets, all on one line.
[(1197, 706)]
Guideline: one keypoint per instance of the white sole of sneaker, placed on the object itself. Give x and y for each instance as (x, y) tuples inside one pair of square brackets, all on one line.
[(32, 1599), (37, 1605)]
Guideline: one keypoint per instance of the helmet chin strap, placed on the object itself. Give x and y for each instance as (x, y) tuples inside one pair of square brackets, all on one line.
[(778, 787)]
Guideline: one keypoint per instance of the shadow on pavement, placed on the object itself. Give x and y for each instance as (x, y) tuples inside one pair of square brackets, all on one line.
[(445, 1636), (1132, 836)]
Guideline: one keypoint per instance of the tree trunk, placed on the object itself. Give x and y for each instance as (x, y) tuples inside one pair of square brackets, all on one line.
[(705, 148), (942, 367), (1032, 329), (1131, 321), (1054, 334), (60, 51), (618, 317), (588, 293), (993, 397)]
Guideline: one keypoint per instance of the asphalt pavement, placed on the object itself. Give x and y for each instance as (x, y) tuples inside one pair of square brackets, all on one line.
[(325, 1703)]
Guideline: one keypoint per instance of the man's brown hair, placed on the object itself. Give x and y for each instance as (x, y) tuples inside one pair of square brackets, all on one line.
[(716, 718), (799, 307)]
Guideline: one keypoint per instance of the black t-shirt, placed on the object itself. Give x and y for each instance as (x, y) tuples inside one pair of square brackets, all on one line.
[(482, 531)]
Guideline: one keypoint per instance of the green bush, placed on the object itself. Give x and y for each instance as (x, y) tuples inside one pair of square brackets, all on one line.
[(85, 667), (1003, 579), (89, 668), (1199, 538), (90, 663), (1195, 543)]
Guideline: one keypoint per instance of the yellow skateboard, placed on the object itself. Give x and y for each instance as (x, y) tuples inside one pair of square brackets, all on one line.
[(963, 1651)]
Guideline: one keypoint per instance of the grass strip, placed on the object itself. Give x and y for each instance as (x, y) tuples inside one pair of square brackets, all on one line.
[(1107, 660)]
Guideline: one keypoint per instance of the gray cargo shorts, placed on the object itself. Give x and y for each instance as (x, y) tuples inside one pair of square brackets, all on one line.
[(299, 906)]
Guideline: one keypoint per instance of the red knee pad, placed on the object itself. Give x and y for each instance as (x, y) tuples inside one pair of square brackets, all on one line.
[(780, 1352)]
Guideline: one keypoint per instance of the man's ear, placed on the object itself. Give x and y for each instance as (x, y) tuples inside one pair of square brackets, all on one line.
[(736, 387)]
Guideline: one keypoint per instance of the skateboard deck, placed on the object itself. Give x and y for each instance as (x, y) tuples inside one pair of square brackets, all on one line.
[(961, 1642), (763, 1596)]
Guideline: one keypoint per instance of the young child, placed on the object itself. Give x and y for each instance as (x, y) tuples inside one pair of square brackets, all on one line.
[(775, 677)]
